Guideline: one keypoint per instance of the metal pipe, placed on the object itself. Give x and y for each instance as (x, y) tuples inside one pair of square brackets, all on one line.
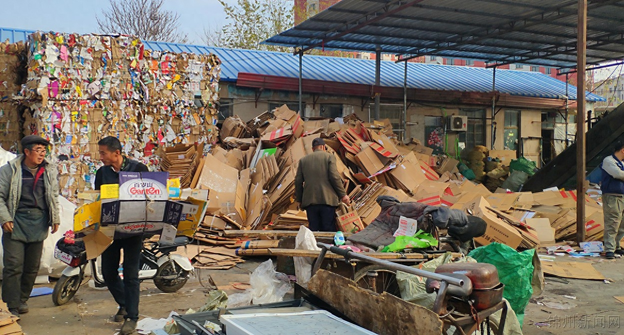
[(405, 104), (580, 123), (492, 121), (300, 83), (377, 83), (566, 112), (348, 254)]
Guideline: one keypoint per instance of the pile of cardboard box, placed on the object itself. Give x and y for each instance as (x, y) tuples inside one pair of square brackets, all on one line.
[(11, 78), (250, 181), (81, 88)]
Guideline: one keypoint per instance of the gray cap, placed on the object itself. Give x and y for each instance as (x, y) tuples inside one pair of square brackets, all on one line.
[(34, 139), (317, 142)]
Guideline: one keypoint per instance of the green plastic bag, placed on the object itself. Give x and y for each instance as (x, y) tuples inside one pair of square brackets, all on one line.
[(466, 171), (524, 165), (515, 270), (420, 240)]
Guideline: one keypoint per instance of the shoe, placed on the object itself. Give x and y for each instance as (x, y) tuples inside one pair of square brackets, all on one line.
[(23, 308), (121, 315), (609, 255), (620, 252), (128, 328), (14, 311)]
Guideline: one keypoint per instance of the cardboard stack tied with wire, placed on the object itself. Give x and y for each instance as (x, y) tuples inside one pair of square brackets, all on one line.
[(12, 76), (82, 88)]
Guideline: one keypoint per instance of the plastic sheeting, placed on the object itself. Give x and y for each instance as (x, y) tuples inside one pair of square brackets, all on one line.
[(303, 265)]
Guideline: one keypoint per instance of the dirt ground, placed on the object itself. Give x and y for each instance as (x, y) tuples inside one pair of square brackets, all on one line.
[(594, 311)]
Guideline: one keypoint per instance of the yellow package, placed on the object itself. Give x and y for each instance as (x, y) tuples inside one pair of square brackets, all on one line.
[(87, 216), (174, 188)]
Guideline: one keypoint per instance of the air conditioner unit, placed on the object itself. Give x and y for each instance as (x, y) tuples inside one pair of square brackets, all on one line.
[(458, 123)]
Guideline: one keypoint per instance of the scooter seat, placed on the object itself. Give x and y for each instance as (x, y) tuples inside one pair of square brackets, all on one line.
[(179, 241)]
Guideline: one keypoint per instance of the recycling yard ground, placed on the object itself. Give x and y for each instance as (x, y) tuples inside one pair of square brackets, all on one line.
[(594, 311)]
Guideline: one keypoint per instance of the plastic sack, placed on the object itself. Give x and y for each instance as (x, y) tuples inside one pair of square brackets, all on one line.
[(6, 156), (267, 286), (515, 181), (303, 265), (524, 165), (420, 240), (217, 299), (466, 171), (515, 270)]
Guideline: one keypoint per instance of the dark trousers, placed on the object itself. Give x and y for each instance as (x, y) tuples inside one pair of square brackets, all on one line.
[(126, 292), (21, 264), (321, 217)]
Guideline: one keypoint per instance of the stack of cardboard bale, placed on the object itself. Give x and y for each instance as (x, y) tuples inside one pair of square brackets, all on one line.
[(82, 88), (11, 78)]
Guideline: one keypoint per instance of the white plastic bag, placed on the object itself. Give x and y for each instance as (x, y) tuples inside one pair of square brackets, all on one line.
[(267, 285), (305, 240)]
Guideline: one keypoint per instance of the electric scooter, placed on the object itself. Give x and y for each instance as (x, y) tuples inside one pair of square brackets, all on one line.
[(170, 272)]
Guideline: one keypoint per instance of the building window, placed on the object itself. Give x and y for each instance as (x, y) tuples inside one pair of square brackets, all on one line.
[(331, 111), (519, 66), (226, 108), (512, 129), (535, 68), (476, 127), (469, 62), (293, 105), (548, 70), (432, 58), (450, 61)]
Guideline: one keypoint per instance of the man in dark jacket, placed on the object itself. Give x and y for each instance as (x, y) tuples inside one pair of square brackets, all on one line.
[(126, 292), (612, 187), (319, 188), (29, 206)]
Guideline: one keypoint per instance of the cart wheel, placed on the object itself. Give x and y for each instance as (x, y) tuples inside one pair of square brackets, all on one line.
[(65, 289), (385, 280)]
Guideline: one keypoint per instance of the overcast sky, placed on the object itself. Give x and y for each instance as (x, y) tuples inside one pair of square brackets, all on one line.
[(79, 15)]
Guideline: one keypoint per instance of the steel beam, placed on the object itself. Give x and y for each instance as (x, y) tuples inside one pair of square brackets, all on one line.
[(580, 122), (300, 84), (377, 83)]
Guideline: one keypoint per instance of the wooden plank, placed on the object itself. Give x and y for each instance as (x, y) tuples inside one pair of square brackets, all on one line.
[(275, 233), (383, 314), (378, 255)]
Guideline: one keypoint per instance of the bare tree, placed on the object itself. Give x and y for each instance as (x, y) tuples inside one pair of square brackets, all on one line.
[(145, 19), (214, 37)]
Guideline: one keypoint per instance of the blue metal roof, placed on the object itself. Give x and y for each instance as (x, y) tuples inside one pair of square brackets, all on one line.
[(359, 71)]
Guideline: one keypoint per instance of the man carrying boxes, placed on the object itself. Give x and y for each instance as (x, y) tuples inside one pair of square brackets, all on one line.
[(126, 292)]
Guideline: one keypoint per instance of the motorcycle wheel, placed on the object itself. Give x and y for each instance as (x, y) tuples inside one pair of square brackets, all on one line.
[(170, 285), (65, 289)]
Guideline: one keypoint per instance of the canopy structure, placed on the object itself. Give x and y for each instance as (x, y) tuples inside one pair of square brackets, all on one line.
[(564, 34), (540, 32)]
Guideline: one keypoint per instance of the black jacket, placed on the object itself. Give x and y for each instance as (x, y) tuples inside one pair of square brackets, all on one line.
[(106, 175)]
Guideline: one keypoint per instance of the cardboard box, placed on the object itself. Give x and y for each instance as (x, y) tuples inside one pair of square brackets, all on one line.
[(193, 211), (217, 176), (447, 165), (369, 161), (150, 186), (96, 243), (497, 230), (505, 156)]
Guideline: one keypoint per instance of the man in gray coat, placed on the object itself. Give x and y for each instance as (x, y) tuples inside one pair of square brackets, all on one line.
[(28, 208), (319, 188)]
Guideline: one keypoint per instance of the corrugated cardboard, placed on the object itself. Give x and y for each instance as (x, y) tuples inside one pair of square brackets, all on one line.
[(505, 156), (545, 233), (447, 165), (218, 176), (497, 230), (96, 243), (576, 270), (408, 175), (502, 201), (369, 161)]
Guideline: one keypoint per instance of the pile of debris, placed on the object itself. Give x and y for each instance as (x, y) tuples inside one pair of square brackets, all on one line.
[(12, 77), (249, 178)]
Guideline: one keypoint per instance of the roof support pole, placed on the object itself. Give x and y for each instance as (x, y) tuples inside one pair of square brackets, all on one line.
[(492, 121), (377, 83), (300, 83), (404, 136), (580, 120), (567, 112)]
